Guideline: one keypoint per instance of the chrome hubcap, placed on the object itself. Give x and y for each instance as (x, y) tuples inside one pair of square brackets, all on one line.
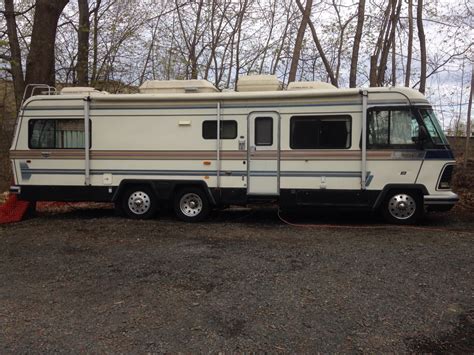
[(139, 202), (190, 204), (402, 206)]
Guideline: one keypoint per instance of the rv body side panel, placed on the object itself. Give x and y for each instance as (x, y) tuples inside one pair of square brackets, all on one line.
[(145, 140)]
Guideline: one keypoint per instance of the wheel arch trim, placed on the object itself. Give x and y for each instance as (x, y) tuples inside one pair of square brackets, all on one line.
[(405, 187)]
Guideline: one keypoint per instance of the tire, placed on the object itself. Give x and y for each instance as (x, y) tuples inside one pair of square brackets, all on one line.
[(191, 205), (402, 207), (139, 202)]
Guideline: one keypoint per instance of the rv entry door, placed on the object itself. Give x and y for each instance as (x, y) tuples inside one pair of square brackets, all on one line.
[(263, 153)]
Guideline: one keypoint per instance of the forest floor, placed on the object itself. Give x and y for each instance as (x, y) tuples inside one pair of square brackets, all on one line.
[(83, 280)]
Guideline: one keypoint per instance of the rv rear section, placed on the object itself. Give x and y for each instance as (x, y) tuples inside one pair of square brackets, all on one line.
[(185, 145)]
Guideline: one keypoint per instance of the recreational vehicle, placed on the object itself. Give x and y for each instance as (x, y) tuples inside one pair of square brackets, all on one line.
[(187, 145)]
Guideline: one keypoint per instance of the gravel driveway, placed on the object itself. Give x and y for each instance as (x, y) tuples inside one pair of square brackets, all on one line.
[(87, 281)]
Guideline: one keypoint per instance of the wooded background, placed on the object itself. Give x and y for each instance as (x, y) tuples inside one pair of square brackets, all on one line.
[(116, 45)]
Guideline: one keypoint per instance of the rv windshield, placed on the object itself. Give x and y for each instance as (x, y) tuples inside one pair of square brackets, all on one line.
[(433, 127)]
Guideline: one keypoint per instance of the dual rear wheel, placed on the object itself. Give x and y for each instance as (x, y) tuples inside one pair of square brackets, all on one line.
[(190, 203)]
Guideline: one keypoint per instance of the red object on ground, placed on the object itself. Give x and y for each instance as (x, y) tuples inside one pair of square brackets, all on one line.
[(13, 210)]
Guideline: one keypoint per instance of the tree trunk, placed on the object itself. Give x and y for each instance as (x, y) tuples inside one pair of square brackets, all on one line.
[(374, 58), (468, 121), (355, 48), (326, 63), (15, 53), (410, 43), (83, 44), (394, 61), (299, 39), (95, 42), (421, 37), (389, 39), (192, 56), (40, 61), (373, 70), (240, 19)]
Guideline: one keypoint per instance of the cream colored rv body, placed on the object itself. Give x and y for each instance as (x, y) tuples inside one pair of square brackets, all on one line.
[(313, 146)]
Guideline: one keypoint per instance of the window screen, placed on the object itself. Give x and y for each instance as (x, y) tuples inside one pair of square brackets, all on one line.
[(228, 129), (56, 133), (263, 131), (320, 132), (391, 128)]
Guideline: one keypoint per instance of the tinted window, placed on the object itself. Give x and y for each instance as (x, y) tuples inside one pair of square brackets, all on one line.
[(264, 131), (320, 132), (228, 129), (391, 128), (56, 134)]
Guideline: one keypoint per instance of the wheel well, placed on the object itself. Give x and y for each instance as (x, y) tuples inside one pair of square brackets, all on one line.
[(420, 190), (125, 185), (200, 185)]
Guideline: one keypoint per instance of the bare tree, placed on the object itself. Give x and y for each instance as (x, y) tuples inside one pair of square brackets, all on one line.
[(319, 47), (83, 44), (192, 39), (357, 40), (240, 18), (40, 60), (40, 66), (409, 44), (299, 39), (389, 40), (15, 52), (340, 42), (385, 42), (271, 26), (95, 40)]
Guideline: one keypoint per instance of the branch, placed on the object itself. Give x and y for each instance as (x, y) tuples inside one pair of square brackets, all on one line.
[(16, 13), (435, 70)]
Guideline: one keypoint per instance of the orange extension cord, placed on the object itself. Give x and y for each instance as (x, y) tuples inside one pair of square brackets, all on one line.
[(378, 226)]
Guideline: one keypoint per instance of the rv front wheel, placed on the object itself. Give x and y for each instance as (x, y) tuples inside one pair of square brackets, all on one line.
[(191, 205), (139, 202), (402, 207)]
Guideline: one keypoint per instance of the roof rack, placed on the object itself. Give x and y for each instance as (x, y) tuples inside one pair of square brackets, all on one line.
[(31, 88)]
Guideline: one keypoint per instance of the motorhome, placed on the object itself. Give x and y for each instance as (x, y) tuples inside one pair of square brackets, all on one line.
[(187, 145)]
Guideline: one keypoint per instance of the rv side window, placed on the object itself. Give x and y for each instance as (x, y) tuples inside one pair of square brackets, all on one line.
[(56, 134), (263, 131), (391, 128), (228, 129), (320, 132)]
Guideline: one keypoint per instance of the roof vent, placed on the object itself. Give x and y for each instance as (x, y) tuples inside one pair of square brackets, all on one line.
[(80, 90), (176, 86), (258, 83), (309, 85)]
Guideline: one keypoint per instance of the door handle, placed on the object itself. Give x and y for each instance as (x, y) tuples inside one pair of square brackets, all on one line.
[(45, 154), (253, 149)]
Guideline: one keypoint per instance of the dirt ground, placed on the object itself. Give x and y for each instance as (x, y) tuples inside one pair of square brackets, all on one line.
[(87, 281)]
